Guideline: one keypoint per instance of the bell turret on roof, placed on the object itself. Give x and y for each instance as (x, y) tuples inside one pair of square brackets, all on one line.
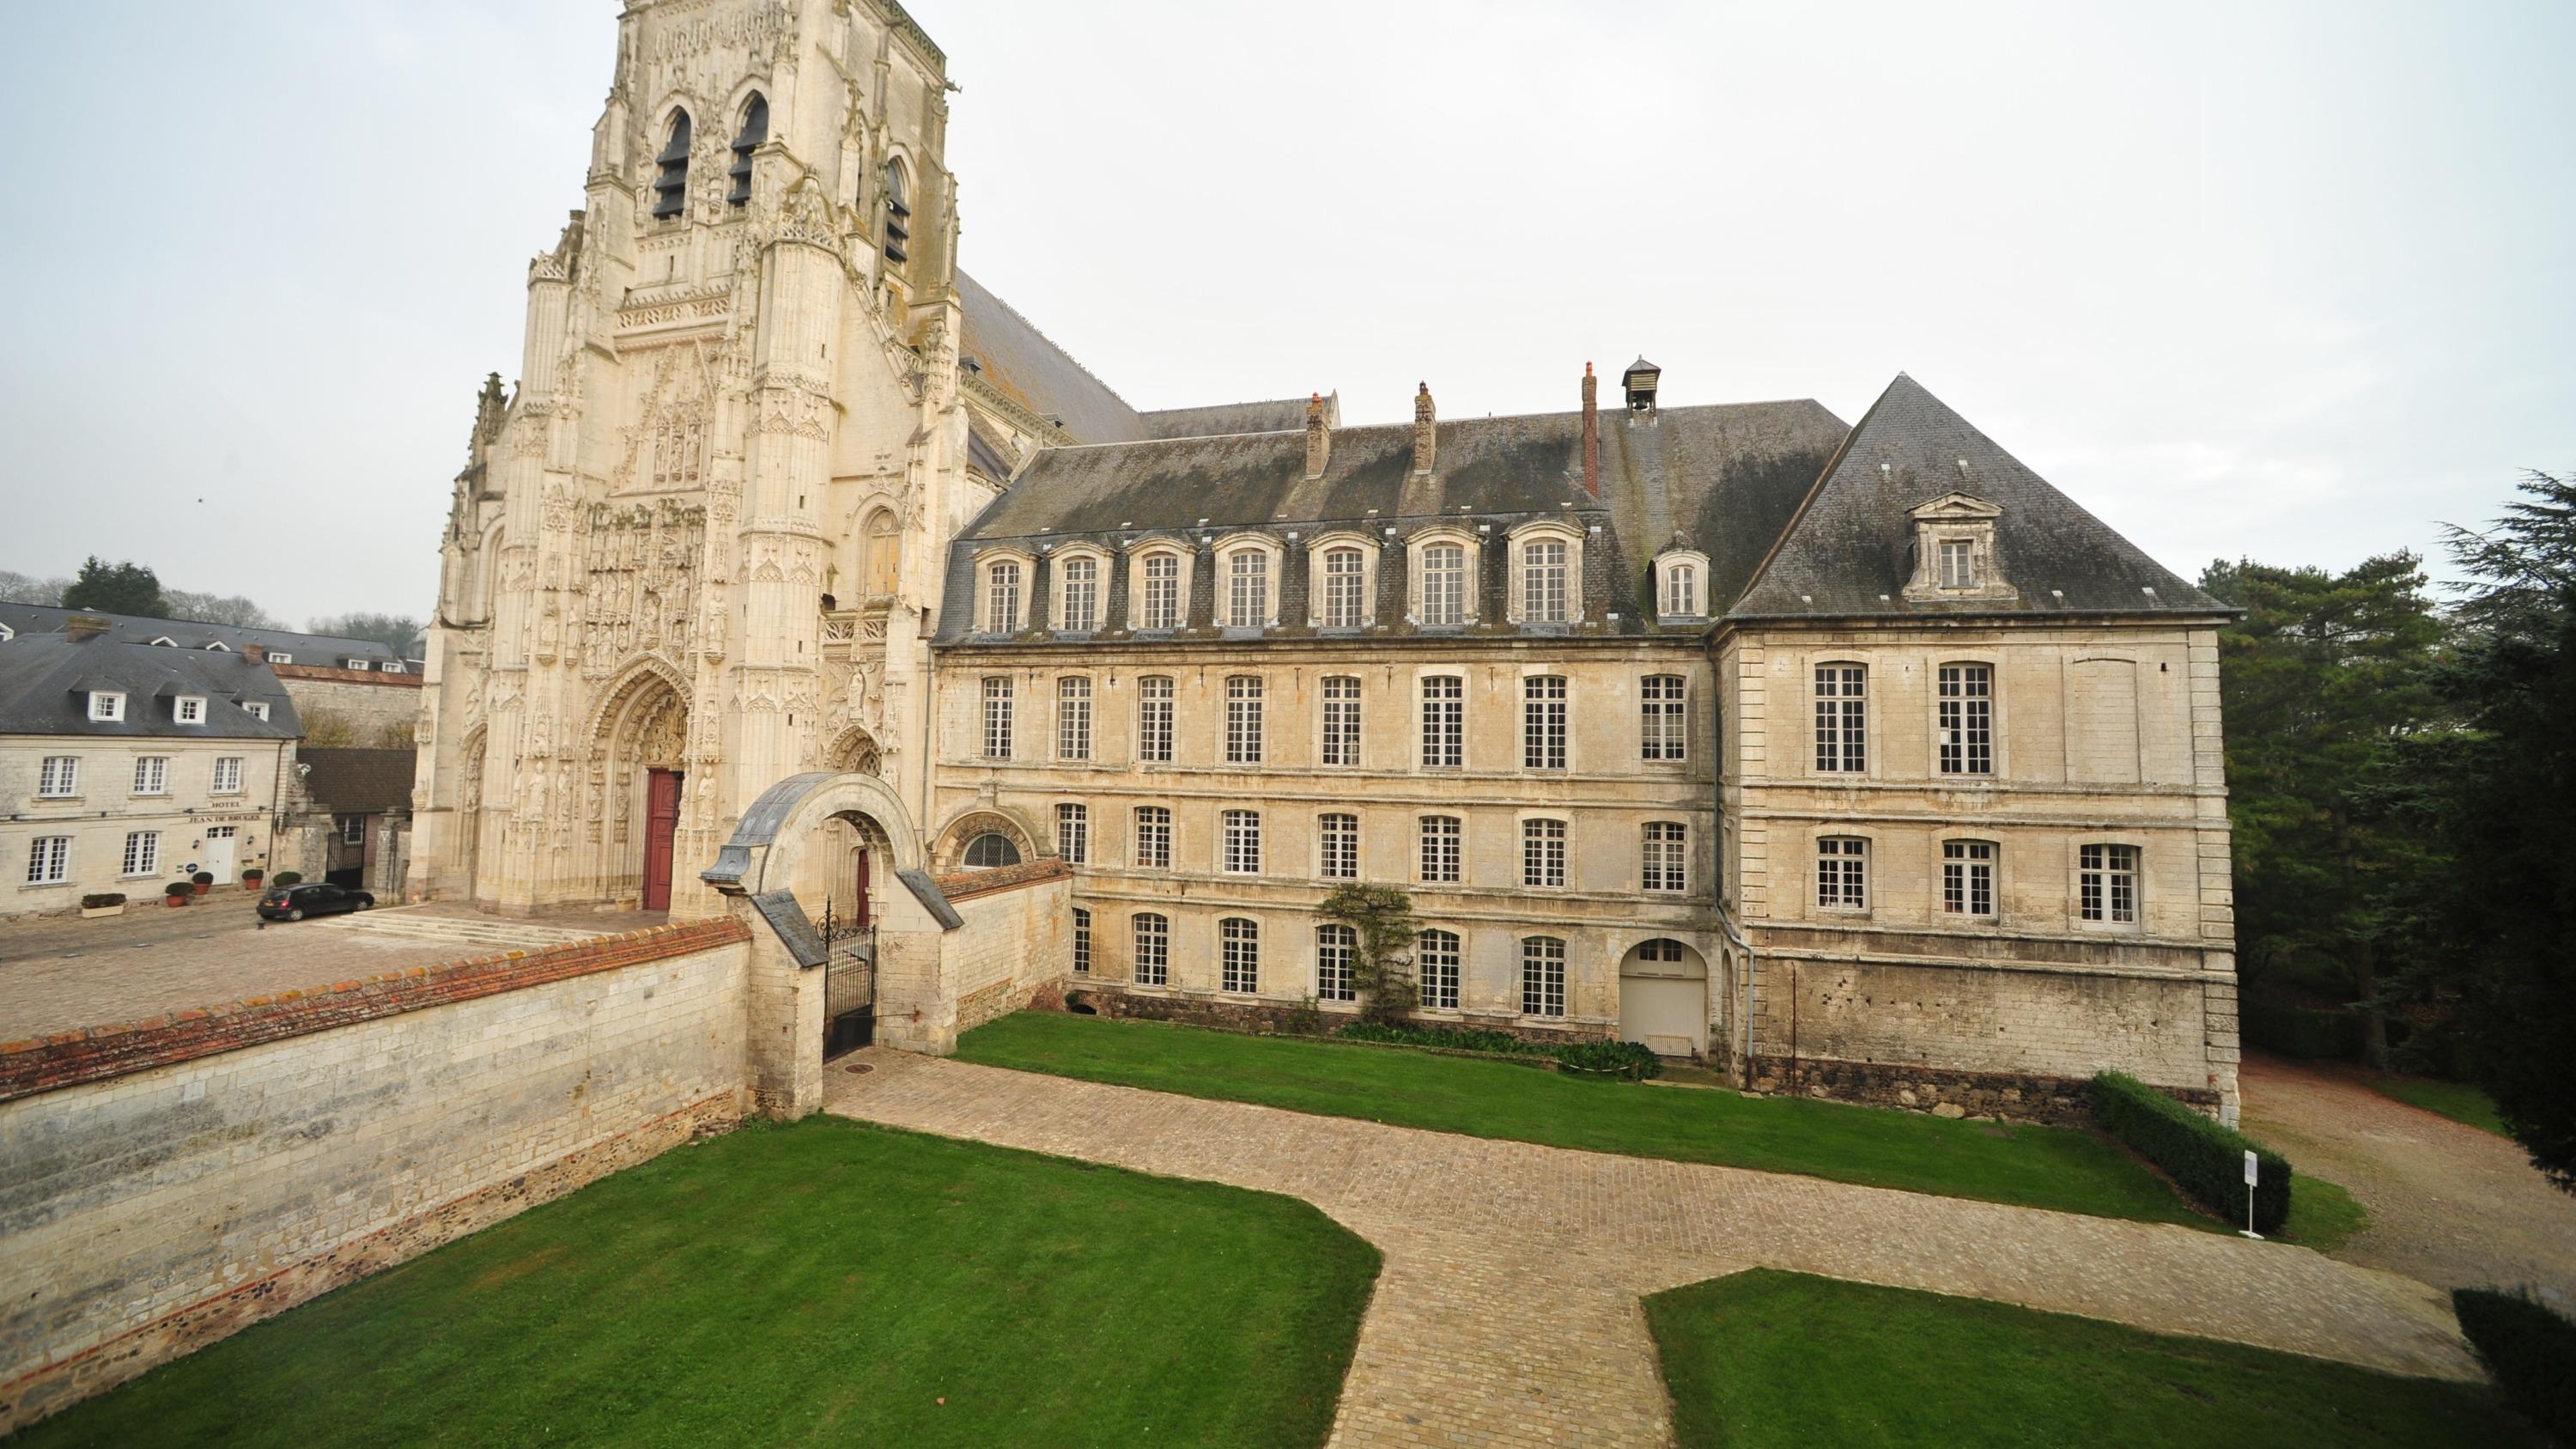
[(1640, 380)]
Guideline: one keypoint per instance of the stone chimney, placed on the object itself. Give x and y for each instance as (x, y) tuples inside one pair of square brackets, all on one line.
[(84, 627), (1423, 439), (255, 653), (1319, 439), (1591, 433)]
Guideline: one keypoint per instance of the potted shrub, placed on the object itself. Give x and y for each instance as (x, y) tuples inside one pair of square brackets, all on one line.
[(177, 892), (252, 877), (102, 903), (203, 880), (289, 877)]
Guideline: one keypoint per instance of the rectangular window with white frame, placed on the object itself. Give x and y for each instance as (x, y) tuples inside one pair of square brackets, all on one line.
[(1543, 722), (1002, 598), (106, 705), (1345, 588), (1666, 864), (1081, 942), (258, 708), (1681, 591), (1435, 967), (1543, 854), (142, 853), (1154, 719), (1542, 976), (1842, 718), (1153, 950), (353, 830), (1080, 613), (1242, 842), (1663, 719), (1338, 847), (1441, 840), (1967, 719), (1341, 742), (1243, 719), (1073, 833), (1153, 838), (392, 666), (1444, 585), (1968, 878), (1337, 949), (1073, 717), (1444, 721), (1958, 564), (228, 774), (49, 860), (1239, 955), (1842, 873), (2107, 883), (151, 774), (189, 709), (997, 718), (1248, 589), (60, 778), (275, 657)]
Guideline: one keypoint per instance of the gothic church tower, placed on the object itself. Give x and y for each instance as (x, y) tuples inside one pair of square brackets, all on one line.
[(698, 547)]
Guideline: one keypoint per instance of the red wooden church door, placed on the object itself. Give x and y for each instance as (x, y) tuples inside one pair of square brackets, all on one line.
[(661, 824)]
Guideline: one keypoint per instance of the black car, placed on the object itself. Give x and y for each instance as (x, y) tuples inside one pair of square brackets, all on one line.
[(313, 898)]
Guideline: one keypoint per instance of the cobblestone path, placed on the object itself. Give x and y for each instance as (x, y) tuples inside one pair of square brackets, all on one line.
[(1507, 1313)]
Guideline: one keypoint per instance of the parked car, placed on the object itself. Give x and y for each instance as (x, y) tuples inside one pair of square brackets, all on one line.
[(313, 898)]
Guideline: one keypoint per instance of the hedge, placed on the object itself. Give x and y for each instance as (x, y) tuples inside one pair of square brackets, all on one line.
[(1601, 1058), (2300, 1031), (2205, 1159), (2530, 1350)]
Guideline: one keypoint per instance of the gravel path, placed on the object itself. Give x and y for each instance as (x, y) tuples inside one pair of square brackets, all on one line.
[(1508, 1314), (2449, 1204)]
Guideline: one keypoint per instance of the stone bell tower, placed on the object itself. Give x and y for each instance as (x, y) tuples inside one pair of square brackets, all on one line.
[(692, 550)]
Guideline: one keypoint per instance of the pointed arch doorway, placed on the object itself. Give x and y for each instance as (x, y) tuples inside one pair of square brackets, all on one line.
[(639, 785)]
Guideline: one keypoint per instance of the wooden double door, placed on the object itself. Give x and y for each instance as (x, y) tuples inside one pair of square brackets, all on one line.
[(661, 831)]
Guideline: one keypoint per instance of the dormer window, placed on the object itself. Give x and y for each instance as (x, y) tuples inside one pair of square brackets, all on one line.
[(355, 663), (391, 666), (275, 657), (1547, 572), (1345, 602), (671, 182), (1444, 584), (189, 709), (1543, 582), (1954, 553), (106, 705), (1002, 598), (219, 646), (1248, 589), (1681, 584), (1078, 610), (258, 708), (755, 130), (1162, 592)]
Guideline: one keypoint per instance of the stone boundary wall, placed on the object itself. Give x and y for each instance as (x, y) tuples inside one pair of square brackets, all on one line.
[(1017, 938), (1113, 999), (164, 1185)]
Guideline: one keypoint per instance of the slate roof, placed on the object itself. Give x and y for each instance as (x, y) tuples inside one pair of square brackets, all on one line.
[(359, 782), (34, 619), (46, 679), (1850, 550), (1018, 361), (1276, 415)]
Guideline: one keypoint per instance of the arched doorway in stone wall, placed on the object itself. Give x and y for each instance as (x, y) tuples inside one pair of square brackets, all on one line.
[(470, 813), (1663, 998), (638, 782)]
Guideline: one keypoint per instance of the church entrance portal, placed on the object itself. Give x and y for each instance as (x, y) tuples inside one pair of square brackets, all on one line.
[(661, 829)]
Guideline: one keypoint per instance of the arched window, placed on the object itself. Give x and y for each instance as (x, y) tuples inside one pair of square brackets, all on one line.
[(1543, 581), (898, 217), (1248, 593), (991, 850), (881, 554), (755, 129), (1681, 590), (1444, 584), (671, 183), (1002, 598), (1078, 606), (1345, 597), (1162, 607)]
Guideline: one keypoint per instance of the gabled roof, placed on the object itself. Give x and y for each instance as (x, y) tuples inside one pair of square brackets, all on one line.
[(1277, 415), (1016, 360), (359, 782), (28, 620), (1850, 549), (45, 681)]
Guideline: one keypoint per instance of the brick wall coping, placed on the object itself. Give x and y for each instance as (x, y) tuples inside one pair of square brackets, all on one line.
[(406, 680), (89, 1054), (967, 884)]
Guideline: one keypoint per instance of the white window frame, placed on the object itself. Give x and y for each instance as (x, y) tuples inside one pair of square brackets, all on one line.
[(2105, 872), (1247, 572), (1239, 842), (1338, 737), (1081, 941), (49, 860), (228, 775), (1239, 956), (280, 656), (1326, 588), (1157, 712), (107, 705), (151, 775), (1543, 976), (1958, 563), (1664, 856), (1841, 692), (1244, 711), (142, 854), (1077, 599), (1337, 950), (1544, 731), (1073, 832), (353, 830), (1153, 837), (1681, 584), (1663, 719), (1440, 855), (188, 709), (1437, 955), (1964, 717), (392, 666), (1968, 871), (997, 717), (1543, 861), (1443, 715), (361, 665), (1557, 601), (1151, 933), (1435, 607), (1073, 717), (258, 708), (1142, 579), (1337, 845), (1001, 593), (59, 778), (1842, 874)]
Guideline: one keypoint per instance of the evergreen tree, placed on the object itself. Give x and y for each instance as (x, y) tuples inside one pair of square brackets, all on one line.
[(124, 588)]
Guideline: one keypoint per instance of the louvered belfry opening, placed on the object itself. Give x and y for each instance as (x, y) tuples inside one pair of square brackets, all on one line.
[(755, 129), (671, 185), (898, 215)]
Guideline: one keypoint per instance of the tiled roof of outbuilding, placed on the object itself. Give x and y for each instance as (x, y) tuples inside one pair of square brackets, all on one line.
[(45, 681), (1277, 415), (1849, 550), (26, 619)]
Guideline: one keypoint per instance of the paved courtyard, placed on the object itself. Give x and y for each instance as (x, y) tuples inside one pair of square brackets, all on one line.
[(57, 973), (1508, 1310)]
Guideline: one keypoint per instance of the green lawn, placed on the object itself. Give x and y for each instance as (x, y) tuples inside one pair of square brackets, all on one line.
[(1765, 1358), (2456, 1100), (2322, 1215), (820, 1283), (2047, 1167)]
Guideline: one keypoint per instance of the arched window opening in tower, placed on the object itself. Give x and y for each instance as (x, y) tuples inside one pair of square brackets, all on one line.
[(755, 130), (898, 219), (671, 186)]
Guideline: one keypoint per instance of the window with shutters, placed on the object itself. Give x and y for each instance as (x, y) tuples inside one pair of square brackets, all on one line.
[(1842, 873), (1444, 585), (1967, 719), (1153, 949), (1968, 878), (1345, 588), (1081, 942), (1341, 742), (1666, 856), (1842, 718), (49, 859), (2107, 883), (1239, 955), (1543, 722), (1078, 610), (1444, 721), (1338, 840), (1154, 719), (1073, 717), (228, 774), (1073, 833), (1160, 607), (1243, 719), (1336, 947), (142, 853), (1242, 842), (997, 719), (60, 779), (1663, 718), (1441, 840), (1542, 976), (1153, 838), (1435, 969), (881, 555), (755, 130), (1543, 854), (671, 169)]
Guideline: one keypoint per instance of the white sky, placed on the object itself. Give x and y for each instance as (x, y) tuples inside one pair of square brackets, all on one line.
[(2293, 281)]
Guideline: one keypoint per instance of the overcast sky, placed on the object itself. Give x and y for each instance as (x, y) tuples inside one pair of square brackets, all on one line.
[(2293, 281)]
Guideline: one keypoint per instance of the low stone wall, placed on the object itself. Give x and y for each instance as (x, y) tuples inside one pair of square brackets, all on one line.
[(1018, 937), (164, 1183)]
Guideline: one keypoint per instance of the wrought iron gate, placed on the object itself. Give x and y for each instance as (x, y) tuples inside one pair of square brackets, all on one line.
[(849, 985)]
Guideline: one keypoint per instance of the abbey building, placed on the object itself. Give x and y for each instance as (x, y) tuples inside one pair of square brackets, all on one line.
[(801, 577)]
